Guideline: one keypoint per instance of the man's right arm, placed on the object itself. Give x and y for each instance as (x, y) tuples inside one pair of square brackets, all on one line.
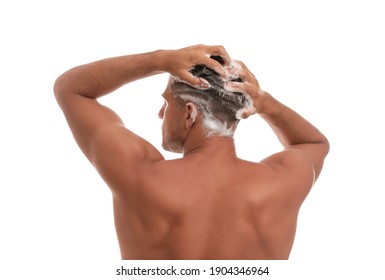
[(294, 132), (296, 168)]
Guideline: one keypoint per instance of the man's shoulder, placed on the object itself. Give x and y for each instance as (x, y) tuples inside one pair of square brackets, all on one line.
[(255, 166)]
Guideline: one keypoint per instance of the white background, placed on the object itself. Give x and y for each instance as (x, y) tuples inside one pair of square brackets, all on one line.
[(325, 59)]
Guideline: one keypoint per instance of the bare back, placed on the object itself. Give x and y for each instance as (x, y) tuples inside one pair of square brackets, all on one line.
[(209, 204), (204, 209)]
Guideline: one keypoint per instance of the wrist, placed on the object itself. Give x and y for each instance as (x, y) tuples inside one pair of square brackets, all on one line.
[(162, 59), (267, 104)]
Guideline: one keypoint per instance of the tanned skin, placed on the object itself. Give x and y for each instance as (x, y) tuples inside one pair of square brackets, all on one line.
[(209, 204)]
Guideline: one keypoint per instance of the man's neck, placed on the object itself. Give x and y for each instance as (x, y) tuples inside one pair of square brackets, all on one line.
[(210, 146)]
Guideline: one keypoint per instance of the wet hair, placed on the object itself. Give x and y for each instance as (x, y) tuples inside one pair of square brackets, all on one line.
[(216, 102)]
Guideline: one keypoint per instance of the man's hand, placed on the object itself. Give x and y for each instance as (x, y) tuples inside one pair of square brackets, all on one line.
[(179, 63), (248, 86)]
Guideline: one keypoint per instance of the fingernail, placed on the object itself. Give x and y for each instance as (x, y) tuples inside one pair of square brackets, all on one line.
[(204, 84)]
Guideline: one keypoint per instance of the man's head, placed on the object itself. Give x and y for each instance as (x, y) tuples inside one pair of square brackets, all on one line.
[(216, 108)]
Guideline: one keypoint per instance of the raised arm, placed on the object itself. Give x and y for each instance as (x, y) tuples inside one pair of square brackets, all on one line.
[(294, 132), (297, 167), (78, 89), (99, 132)]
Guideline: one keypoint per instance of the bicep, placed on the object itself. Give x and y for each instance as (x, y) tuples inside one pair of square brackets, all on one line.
[(115, 151), (293, 175), (86, 118), (121, 157), (316, 152)]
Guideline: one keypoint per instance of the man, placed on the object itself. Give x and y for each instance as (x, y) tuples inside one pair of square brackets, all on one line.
[(208, 204)]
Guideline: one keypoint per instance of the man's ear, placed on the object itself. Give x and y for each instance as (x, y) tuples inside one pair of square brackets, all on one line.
[(191, 114)]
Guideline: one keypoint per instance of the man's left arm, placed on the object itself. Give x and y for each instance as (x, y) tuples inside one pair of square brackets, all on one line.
[(113, 149), (99, 131)]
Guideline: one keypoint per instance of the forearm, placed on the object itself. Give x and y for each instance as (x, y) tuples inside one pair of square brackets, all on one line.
[(290, 128), (96, 79), (99, 78)]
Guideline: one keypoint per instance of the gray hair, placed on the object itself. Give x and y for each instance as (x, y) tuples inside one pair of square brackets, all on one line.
[(220, 107)]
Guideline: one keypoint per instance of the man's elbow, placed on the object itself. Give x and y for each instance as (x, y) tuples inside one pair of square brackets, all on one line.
[(59, 88), (326, 147), (323, 150), (62, 89), (322, 145)]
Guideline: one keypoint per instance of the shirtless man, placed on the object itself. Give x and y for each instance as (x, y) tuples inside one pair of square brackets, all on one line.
[(209, 204)]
